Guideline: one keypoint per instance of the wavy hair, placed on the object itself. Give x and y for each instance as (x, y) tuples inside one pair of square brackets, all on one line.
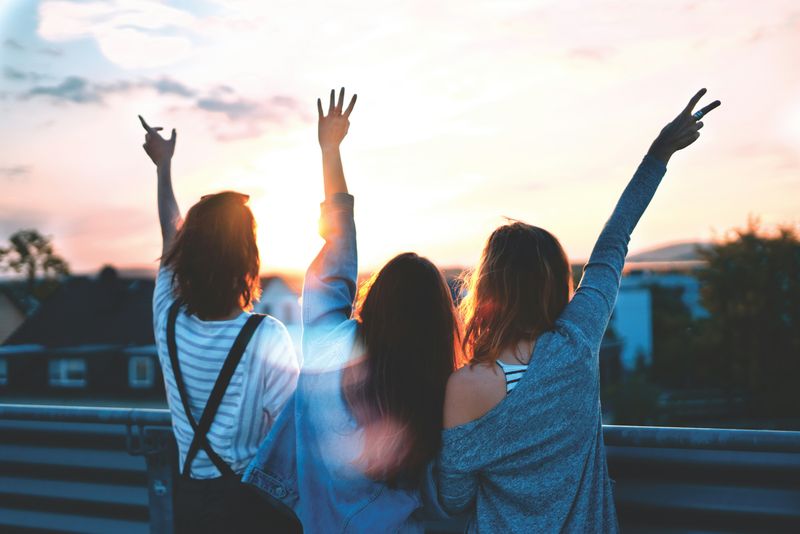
[(214, 257), (521, 285)]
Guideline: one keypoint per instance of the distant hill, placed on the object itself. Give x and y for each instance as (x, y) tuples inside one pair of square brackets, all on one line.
[(675, 252)]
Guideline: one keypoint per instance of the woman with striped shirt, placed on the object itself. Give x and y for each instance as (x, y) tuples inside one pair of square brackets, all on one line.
[(228, 373)]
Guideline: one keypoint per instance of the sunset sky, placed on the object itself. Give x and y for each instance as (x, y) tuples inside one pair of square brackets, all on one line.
[(467, 112)]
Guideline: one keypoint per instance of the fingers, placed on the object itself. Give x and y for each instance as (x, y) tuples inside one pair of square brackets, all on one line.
[(350, 106), (341, 100), (152, 131), (686, 129), (693, 102), (144, 124), (712, 106), (173, 137), (335, 106)]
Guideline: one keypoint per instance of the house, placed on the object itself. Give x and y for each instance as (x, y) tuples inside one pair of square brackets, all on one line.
[(632, 324), (91, 340), (632, 320), (280, 298), (12, 312)]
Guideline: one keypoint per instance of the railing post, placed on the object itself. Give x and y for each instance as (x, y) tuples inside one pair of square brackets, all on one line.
[(157, 445)]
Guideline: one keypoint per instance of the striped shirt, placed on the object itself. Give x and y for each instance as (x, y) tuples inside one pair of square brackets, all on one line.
[(262, 383), (513, 373)]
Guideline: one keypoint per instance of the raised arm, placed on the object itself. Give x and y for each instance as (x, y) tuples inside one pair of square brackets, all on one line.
[(330, 283), (160, 151), (591, 307), (331, 131)]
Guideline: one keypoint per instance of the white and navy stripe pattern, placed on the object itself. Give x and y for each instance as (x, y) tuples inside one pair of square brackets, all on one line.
[(513, 373), (262, 383)]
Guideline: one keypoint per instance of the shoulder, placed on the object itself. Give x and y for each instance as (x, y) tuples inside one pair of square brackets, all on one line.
[(274, 341), (163, 294), (272, 327), (471, 392), (163, 280)]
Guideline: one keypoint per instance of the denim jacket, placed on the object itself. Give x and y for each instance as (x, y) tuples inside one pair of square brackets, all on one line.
[(308, 460)]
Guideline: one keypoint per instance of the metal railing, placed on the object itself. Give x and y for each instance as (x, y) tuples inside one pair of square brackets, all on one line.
[(80, 469)]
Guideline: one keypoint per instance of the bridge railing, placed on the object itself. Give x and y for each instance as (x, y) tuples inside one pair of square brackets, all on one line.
[(78, 469)]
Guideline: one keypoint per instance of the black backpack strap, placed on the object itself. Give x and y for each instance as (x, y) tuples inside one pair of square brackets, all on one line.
[(176, 372), (200, 439), (215, 398)]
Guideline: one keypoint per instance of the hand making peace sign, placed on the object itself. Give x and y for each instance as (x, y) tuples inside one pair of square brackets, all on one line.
[(682, 131)]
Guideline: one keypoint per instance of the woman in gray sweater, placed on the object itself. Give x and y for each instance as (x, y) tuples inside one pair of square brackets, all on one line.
[(522, 448)]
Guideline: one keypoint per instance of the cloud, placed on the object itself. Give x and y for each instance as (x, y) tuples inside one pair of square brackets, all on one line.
[(13, 219), (249, 118), (72, 89), (11, 44), (15, 172), (245, 118), (51, 51), (167, 86), (130, 33), (223, 100), (233, 109), (79, 90), (10, 73)]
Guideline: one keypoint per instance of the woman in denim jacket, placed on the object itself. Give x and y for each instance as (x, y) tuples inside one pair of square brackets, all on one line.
[(352, 451)]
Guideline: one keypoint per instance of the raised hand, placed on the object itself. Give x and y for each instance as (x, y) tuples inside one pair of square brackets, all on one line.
[(159, 149), (682, 131), (333, 126)]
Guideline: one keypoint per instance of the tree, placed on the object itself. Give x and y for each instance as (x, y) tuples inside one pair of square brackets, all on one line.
[(752, 290), (31, 254), (673, 338)]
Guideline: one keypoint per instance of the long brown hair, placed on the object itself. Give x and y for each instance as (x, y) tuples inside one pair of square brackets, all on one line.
[(214, 257), (520, 287), (409, 332)]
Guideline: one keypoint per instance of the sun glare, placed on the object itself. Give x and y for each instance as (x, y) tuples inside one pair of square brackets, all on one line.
[(287, 186)]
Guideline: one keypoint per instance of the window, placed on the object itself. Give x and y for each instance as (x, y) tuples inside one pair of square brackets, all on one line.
[(3, 372), (67, 373), (140, 372)]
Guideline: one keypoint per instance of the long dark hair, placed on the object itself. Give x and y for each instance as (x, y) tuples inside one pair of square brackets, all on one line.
[(214, 256), (521, 285), (410, 335)]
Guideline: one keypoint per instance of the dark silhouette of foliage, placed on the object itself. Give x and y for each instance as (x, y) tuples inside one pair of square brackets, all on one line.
[(673, 331), (751, 287), (634, 400), (31, 254)]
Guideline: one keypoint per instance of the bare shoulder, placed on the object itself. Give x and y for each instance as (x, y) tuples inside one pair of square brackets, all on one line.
[(471, 392)]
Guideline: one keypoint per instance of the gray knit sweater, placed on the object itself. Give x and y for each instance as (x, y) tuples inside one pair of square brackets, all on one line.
[(536, 461)]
